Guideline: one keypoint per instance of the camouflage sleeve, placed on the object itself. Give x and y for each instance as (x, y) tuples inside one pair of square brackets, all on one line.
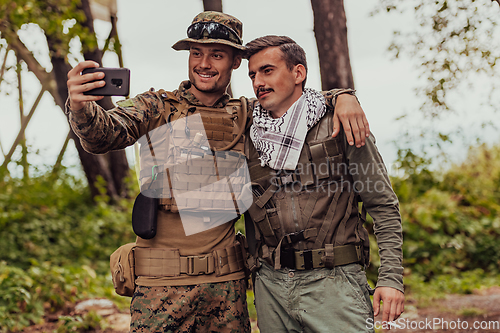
[(101, 131), (331, 96), (372, 181)]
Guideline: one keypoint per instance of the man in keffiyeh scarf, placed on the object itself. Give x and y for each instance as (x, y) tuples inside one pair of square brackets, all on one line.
[(294, 289), (279, 141)]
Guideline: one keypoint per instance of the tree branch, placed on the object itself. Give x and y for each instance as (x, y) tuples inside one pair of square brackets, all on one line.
[(22, 140), (2, 70), (215, 5), (34, 66), (24, 124), (1, 149), (57, 166)]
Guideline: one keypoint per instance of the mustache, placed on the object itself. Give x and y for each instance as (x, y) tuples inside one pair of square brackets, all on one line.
[(200, 71), (263, 90)]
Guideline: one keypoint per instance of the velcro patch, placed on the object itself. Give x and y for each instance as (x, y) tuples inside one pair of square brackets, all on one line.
[(125, 103)]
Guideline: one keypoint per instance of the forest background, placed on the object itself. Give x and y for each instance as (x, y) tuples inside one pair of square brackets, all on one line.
[(436, 123)]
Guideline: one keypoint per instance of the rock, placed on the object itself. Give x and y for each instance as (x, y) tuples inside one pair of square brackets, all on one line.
[(119, 322), (103, 307)]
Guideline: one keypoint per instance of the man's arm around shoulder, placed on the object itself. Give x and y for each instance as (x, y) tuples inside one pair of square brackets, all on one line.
[(348, 111)]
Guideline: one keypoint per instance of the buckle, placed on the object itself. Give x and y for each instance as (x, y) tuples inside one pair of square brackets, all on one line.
[(304, 260), (287, 179), (197, 265), (283, 178), (294, 237)]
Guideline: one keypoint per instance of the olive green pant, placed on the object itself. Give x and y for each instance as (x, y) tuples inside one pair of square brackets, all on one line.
[(318, 300)]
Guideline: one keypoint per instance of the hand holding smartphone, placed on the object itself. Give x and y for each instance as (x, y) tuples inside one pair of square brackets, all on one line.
[(117, 81)]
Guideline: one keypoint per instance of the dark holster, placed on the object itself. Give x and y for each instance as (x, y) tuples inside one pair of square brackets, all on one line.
[(144, 216)]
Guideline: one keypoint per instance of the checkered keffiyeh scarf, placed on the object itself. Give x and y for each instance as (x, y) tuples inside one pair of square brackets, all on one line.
[(279, 141)]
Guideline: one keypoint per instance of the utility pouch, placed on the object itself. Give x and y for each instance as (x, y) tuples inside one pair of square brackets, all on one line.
[(122, 269), (144, 216)]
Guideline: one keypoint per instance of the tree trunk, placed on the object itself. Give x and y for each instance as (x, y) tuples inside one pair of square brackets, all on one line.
[(330, 29), (93, 165), (112, 167), (116, 160), (215, 5)]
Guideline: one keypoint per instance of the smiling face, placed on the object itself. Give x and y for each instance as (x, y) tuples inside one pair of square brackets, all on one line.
[(210, 68), (275, 85)]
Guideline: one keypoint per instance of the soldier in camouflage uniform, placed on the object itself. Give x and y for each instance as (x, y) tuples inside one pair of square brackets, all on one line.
[(180, 300)]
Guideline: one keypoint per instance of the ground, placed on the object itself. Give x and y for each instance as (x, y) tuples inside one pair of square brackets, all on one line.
[(455, 313), (460, 312)]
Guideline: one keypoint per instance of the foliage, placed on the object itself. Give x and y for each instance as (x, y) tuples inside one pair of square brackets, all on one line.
[(417, 179), (454, 45), (54, 220), (18, 307), (451, 225), (88, 323), (55, 247), (57, 18), (27, 294), (454, 226), (455, 38), (251, 306), (439, 286), (239, 226)]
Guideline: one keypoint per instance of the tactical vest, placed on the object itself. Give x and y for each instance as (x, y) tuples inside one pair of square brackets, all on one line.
[(223, 128), (307, 218)]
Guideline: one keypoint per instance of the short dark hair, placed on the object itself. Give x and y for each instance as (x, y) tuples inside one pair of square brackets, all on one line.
[(293, 54)]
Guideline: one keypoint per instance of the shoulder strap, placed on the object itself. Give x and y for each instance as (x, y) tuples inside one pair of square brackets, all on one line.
[(242, 113), (169, 98)]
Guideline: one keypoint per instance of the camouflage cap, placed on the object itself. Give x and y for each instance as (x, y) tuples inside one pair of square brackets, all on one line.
[(222, 22)]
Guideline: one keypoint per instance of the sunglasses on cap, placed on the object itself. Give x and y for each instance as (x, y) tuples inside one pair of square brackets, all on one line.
[(213, 30)]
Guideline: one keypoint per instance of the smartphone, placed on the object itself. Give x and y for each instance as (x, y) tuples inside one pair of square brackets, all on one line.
[(117, 81)]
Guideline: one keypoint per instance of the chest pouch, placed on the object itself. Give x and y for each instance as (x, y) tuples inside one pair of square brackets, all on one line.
[(205, 185), (210, 187)]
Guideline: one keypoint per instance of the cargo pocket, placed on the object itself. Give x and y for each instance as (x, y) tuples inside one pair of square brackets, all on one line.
[(122, 269), (356, 278)]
